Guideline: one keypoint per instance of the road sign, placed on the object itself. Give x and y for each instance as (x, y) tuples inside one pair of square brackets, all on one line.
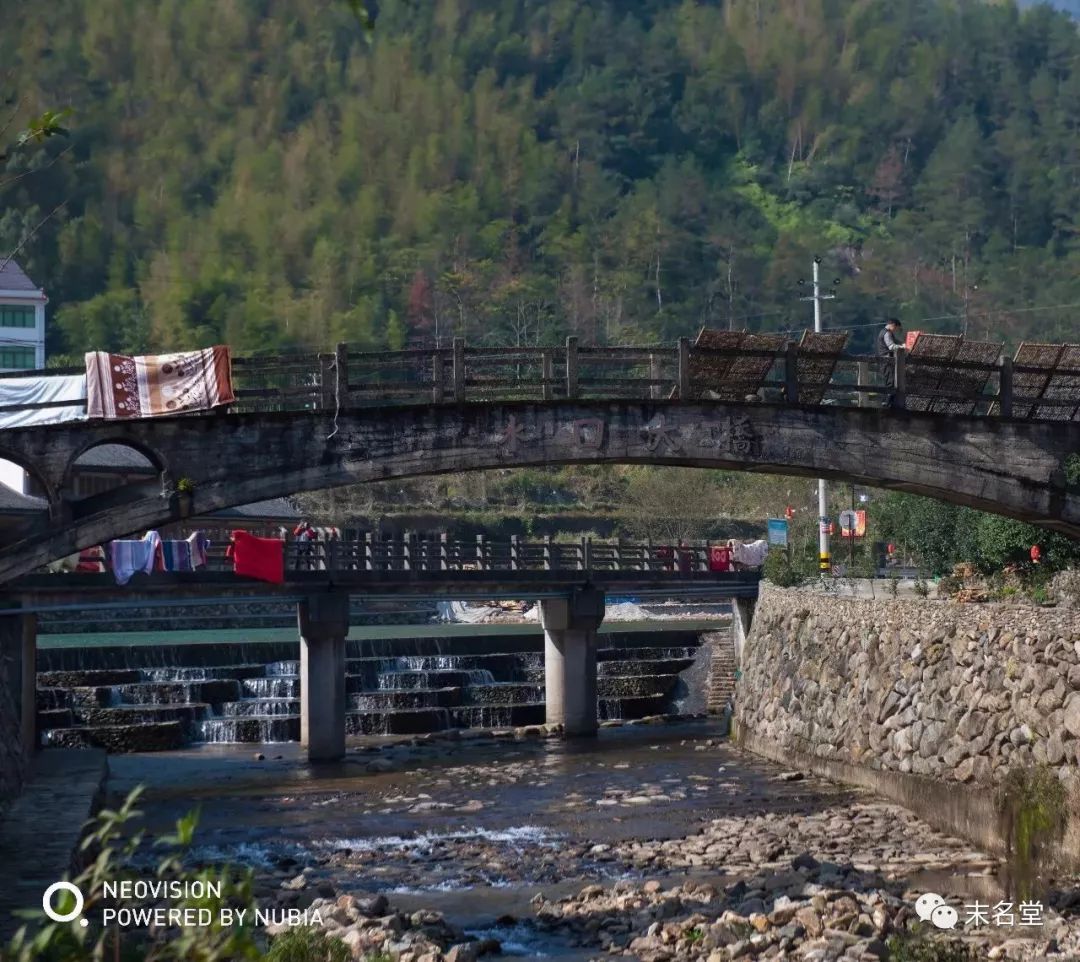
[(849, 520), (778, 532)]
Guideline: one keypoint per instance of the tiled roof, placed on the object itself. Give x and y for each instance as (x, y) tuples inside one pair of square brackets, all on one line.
[(14, 501), (117, 457), (13, 278)]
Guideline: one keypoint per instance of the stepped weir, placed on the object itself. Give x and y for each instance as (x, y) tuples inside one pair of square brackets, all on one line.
[(121, 699)]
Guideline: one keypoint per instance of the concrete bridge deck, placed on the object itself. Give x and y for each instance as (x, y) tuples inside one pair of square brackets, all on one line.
[(419, 567)]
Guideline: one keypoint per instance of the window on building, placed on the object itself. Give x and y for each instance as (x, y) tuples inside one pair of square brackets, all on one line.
[(19, 358), (17, 315)]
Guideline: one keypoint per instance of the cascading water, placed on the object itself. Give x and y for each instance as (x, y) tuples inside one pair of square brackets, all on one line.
[(252, 701), (403, 680), (278, 687), (260, 706)]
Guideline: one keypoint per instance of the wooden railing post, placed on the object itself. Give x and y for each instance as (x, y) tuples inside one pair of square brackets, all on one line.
[(900, 380), (684, 369), (654, 376), (437, 387), (547, 552), (547, 372), (369, 552), (571, 367), (1005, 386), (459, 369), (442, 551), (341, 379), (586, 553), (791, 372), (480, 552), (862, 378), (515, 552), (327, 377)]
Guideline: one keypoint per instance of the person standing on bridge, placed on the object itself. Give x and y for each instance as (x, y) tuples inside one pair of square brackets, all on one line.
[(890, 340)]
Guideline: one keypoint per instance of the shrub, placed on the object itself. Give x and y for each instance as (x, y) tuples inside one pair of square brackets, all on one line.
[(781, 571), (111, 843), (1034, 802), (305, 944), (914, 947)]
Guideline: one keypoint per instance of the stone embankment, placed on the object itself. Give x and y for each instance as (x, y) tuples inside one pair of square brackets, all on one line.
[(956, 692), (881, 692)]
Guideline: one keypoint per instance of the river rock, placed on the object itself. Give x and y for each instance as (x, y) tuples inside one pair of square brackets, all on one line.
[(465, 952)]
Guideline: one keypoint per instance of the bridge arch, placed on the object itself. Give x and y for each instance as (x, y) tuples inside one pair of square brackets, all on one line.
[(41, 477), (1004, 466), (155, 458)]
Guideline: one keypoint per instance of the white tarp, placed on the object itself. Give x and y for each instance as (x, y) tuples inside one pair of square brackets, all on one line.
[(18, 392)]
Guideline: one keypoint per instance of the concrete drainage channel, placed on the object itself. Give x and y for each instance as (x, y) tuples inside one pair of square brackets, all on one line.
[(120, 700)]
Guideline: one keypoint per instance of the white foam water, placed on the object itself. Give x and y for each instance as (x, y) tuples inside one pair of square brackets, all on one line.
[(255, 854), (517, 836)]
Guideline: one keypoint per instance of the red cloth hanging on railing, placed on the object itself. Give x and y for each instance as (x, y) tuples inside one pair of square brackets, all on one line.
[(261, 558), (719, 557)]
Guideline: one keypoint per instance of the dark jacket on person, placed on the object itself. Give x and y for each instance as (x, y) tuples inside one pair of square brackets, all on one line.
[(888, 341)]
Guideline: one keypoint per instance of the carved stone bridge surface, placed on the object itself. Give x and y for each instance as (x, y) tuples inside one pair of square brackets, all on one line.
[(1004, 465), (966, 425)]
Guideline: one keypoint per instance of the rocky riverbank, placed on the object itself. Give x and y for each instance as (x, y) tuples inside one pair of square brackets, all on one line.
[(654, 842), (799, 909)]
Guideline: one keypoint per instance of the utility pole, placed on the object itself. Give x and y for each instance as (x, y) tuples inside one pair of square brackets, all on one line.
[(824, 558)]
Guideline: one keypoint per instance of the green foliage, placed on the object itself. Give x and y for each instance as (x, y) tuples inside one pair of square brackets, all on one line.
[(1072, 471), (306, 944), (1034, 802), (782, 572), (694, 936), (110, 843), (514, 172), (941, 535), (919, 947), (47, 124)]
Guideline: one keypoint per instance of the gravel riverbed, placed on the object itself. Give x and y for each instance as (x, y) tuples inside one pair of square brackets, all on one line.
[(651, 842)]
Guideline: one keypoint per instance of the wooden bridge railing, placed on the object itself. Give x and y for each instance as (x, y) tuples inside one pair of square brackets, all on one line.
[(461, 374), (788, 373)]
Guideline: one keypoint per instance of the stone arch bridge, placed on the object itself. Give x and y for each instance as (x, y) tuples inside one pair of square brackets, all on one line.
[(345, 421)]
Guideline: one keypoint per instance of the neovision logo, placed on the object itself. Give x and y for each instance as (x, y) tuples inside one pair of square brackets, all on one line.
[(72, 889)]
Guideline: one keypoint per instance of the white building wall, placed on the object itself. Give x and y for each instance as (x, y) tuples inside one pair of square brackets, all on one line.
[(12, 475)]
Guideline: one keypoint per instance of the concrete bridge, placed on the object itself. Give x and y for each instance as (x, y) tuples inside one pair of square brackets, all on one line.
[(997, 436), (568, 579)]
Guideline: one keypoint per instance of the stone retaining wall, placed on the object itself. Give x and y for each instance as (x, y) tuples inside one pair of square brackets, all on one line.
[(956, 693)]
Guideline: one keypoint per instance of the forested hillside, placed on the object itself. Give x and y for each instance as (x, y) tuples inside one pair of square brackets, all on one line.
[(258, 172), (1072, 7)]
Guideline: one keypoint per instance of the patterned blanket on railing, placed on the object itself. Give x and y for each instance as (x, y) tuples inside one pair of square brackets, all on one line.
[(157, 384)]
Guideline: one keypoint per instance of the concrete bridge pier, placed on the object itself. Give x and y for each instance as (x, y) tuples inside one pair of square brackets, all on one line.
[(324, 624), (570, 626)]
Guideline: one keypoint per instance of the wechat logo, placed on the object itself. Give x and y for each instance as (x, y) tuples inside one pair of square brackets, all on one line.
[(931, 908)]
